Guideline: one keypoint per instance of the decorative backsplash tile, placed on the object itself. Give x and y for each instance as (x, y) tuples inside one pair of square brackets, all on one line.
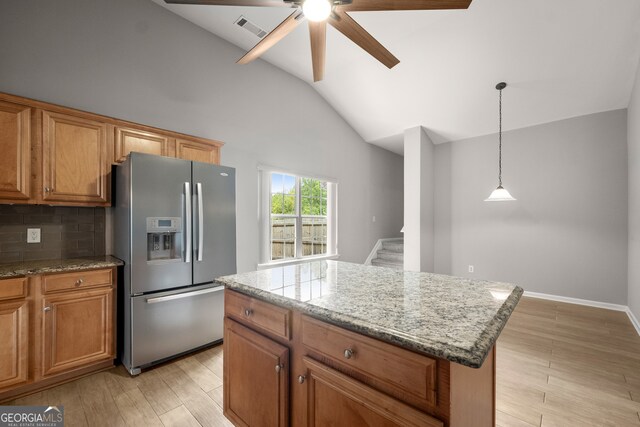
[(66, 232)]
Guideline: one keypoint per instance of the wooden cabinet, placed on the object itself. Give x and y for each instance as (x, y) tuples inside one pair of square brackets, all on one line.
[(74, 162), (334, 398), (257, 393), (198, 151), (340, 377), (55, 327), (127, 140), (14, 332), (60, 156), (15, 146), (77, 330)]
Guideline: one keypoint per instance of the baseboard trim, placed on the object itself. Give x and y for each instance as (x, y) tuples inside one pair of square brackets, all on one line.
[(598, 304), (634, 320)]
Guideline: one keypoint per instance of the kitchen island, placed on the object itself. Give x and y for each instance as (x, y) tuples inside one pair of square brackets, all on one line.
[(333, 342)]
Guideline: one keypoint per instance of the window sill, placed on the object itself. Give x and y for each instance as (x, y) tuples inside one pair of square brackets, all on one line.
[(296, 261)]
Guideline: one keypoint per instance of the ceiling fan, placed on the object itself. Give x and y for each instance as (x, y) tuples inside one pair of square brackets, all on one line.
[(319, 12)]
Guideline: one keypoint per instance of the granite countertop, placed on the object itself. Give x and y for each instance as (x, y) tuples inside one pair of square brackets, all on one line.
[(31, 268), (448, 317)]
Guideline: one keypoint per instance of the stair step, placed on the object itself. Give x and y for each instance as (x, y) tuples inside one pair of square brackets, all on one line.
[(393, 246), (389, 264), (387, 255)]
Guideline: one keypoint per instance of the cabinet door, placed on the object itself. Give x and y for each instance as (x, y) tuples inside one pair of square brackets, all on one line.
[(15, 146), (128, 140), (256, 378), (74, 159), (14, 336), (77, 330), (198, 151), (334, 399)]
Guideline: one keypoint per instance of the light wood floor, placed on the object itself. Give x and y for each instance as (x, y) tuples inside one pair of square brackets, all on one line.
[(558, 365)]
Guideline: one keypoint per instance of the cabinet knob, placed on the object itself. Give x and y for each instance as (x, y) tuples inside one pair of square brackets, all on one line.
[(348, 353), (47, 189), (301, 378), (278, 368), (248, 312), (79, 282), (46, 309)]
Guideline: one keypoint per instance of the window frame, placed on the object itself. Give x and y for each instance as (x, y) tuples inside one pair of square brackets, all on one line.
[(265, 218)]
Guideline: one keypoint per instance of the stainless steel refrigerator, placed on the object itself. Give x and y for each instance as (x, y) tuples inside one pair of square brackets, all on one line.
[(175, 229)]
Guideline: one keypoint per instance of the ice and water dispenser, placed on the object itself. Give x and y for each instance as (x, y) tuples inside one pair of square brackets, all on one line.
[(164, 239)]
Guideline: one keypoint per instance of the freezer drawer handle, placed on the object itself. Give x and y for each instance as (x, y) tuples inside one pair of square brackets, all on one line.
[(184, 295)]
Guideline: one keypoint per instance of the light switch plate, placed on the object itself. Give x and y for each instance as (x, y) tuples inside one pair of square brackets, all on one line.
[(33, 235)]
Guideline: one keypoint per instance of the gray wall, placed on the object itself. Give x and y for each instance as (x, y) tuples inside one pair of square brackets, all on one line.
[(567, 232), (633, 134), (65, 232), (134, 60)]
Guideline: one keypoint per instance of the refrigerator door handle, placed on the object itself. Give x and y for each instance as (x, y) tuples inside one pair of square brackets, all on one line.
[(200, 222), (184, 295), (187, 208)]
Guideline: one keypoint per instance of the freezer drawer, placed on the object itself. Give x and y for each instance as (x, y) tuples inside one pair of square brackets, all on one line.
[(169, 323)]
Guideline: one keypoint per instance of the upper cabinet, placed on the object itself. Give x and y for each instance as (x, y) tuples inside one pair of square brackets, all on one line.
[(128, 140), (74, 159), (197, 151), (59, 156), (15, 146)]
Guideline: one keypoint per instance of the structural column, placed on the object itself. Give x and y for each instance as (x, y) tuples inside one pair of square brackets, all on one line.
[(419, 189)]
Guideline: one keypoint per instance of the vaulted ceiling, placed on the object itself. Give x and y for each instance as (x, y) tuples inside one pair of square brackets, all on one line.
[(560, 58)]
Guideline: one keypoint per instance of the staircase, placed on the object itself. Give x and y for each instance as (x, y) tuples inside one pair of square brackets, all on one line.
[(390, 253)]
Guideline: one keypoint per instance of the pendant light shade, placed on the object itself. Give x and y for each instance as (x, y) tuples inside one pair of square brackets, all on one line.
[(500, 194)]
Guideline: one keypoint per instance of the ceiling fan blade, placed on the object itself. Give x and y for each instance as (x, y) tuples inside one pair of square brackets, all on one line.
[(270, 3), (372, 5), (350, 28), (318, 34), (273, 37)]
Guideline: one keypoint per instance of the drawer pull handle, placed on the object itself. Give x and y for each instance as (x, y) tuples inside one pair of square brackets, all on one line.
[(278, 368), (348, 353), (301, 379), (46, 309), (248, 312), (79, 282)]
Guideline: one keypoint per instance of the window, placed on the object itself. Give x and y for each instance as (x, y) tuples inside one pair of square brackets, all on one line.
[(300, 217)]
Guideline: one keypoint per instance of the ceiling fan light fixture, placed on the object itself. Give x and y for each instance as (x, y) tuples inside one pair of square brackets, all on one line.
[(316, 10)]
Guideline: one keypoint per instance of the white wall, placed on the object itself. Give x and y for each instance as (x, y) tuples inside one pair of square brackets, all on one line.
[(567, 232), (633, 135), (134, 60), (419, 177)]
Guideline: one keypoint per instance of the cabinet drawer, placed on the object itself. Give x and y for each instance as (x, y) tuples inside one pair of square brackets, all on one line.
[(391, 368), (13, 288), (251, 311), (76, 280)]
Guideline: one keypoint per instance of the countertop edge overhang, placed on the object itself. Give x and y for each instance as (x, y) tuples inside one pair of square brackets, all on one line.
[(473, 356), (32, 268)]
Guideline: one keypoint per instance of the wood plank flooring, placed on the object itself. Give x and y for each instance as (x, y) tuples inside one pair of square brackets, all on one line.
[(558, 365)]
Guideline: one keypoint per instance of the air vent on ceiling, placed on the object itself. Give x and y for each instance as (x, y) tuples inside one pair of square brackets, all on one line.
[(250, 26)]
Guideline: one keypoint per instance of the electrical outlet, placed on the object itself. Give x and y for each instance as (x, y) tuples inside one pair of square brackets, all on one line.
[(471, 269), (33, 235)]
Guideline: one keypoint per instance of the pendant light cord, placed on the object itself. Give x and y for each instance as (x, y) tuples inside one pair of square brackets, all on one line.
[(500, 142)]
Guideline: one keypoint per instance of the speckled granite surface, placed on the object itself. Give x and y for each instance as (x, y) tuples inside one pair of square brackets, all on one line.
[(30, 268), (443, 316)]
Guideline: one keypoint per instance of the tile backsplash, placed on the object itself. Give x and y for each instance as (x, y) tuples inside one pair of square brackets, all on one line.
[(66, 232)]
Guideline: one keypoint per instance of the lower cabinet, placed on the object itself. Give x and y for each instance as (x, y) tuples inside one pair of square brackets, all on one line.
[(77, 329), (336, 399), (14, 339), (54, 327), (282, 367), (257, 393)]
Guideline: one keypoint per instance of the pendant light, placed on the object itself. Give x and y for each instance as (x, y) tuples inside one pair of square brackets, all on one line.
[(500, 194)]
